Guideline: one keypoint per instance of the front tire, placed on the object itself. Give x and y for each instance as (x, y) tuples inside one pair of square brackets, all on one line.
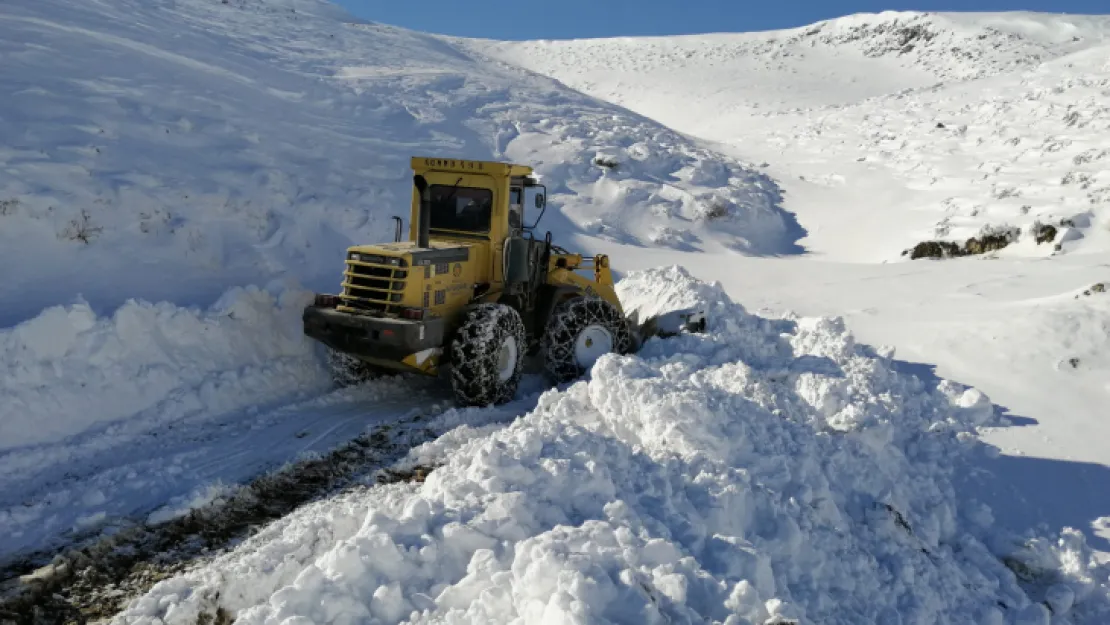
[(487, 356), (580, 331)]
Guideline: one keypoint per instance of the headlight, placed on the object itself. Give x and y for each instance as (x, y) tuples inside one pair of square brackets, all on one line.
[(375, 259)]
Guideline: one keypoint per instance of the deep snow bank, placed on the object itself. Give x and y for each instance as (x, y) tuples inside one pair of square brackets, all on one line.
[(149, 365), (770, 470)]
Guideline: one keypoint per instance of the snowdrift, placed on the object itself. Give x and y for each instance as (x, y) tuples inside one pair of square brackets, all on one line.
[(92, 408), (768, 471)]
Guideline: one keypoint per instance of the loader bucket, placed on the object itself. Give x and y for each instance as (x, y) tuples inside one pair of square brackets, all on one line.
[(667, 324)]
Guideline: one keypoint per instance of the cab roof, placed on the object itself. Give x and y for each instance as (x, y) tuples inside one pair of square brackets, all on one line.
[(422, 164)]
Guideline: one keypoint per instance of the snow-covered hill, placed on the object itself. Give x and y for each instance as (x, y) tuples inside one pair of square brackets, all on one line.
[(836, 62), (911, 126), (222, 155)]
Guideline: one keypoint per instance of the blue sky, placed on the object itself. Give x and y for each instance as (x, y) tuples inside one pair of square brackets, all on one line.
[(563, 19)]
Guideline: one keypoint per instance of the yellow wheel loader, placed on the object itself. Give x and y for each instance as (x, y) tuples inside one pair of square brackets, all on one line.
[(473, 291)]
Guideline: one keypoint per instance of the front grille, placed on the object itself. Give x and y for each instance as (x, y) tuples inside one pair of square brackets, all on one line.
[(374, 283)]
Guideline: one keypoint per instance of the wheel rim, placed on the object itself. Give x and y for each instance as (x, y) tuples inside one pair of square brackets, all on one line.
[(506, 359), (594, 342)]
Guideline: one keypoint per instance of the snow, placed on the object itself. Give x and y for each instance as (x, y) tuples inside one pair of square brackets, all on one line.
[(848, 121), (887, 440), (189, 457), (171, 202), (261, 139), (245, 349), (847, 125), (769, 468)]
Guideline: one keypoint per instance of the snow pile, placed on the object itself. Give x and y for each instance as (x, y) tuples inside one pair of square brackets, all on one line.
[(69, 370), (768, 471)]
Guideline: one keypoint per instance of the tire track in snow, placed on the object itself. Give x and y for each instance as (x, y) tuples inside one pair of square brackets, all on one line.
[(91, 581), (81, 495)]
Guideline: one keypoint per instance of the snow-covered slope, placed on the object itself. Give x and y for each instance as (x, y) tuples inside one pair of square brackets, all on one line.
[(897, 127), (250, 148), (705, 83), (769, 471), (262, 137)]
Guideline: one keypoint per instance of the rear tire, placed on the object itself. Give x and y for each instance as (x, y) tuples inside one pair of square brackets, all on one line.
[(487, 355), (580, 331)]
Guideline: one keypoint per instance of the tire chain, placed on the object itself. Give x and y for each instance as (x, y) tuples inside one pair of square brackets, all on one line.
[(568, 321), (474, 355)]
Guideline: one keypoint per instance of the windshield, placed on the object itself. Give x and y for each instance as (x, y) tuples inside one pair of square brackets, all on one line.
[(464, 209)]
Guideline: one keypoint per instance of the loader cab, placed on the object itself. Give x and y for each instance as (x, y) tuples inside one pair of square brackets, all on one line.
[(474, 204), (475, 200)]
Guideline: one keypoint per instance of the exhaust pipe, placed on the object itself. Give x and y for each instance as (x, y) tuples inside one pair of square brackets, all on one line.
[(424, 219)]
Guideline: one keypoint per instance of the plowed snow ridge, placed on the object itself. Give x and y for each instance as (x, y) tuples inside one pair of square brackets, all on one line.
[(769, 469)]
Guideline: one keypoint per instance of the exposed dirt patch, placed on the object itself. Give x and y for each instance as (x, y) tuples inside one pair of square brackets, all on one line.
[(416, 474), (935, 249), (93, 581)]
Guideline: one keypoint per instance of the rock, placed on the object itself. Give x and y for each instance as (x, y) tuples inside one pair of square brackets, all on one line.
[(1044, 233), (935, 249), (989, 240)]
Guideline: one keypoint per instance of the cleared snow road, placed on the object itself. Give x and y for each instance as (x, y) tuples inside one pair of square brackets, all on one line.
[(92, 486)]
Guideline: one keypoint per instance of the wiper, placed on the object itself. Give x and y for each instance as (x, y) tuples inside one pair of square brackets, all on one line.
[(453, 189)]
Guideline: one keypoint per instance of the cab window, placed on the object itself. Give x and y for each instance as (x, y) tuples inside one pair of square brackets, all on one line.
[(463, 209)]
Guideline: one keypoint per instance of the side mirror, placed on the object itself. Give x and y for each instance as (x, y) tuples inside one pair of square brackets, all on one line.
[(541, 203)]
